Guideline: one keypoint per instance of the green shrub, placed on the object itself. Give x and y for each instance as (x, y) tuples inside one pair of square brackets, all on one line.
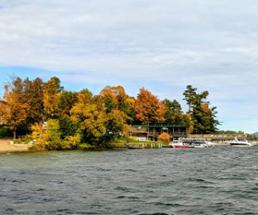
[(54, 141), (86, 147), (37, 147), (71, 142), (53, 130)]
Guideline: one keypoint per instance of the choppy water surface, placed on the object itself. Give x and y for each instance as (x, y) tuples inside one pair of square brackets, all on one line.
[(197, 181)]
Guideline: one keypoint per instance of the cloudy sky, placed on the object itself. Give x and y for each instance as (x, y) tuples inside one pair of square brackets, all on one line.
[(160, 44)]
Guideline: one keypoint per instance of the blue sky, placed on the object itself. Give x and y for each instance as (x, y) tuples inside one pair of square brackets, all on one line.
[(160, 44)]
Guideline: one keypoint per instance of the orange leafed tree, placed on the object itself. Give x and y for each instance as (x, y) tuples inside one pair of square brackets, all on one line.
[(149, 109)]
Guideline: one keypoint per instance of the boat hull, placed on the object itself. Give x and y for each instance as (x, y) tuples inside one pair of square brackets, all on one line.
[(240, 145), (181, 147)]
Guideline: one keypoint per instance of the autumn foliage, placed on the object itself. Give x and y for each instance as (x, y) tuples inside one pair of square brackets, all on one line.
[(15, 108), (149, 109), (164, 137), (62, 119)]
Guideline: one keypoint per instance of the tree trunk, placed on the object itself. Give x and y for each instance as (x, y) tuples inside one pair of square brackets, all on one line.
[(148, 131), (14, 134)]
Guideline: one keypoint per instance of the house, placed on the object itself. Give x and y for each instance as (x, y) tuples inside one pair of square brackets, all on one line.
[(152, 131)]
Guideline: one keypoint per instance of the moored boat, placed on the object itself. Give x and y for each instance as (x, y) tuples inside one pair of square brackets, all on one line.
[(240, 143), (191, 143), (179, 144), (198, 144)]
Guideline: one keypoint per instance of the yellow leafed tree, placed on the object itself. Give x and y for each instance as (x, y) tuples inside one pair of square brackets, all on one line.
[(13, 109)]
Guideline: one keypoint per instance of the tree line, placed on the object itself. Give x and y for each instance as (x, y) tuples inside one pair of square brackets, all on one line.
[(60, 118)]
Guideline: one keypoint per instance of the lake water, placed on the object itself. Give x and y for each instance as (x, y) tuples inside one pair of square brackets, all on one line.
[(220, 180)]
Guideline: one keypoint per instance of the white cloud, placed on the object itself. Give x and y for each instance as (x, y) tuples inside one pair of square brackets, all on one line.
[(211, 44)]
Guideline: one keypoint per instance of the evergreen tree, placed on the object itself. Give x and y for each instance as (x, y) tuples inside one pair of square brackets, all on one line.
[(34, 99), (174, 113), (203, 116)]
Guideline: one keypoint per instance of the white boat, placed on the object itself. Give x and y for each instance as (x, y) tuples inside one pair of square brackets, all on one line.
[(240, 143), (199, 144), (190, 143), (210, 144), (179, 144)]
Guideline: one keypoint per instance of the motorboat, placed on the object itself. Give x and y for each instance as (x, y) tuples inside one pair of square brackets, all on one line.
[(198, 144), (179, 144), (189, 143), (240, 143), (210, 144)]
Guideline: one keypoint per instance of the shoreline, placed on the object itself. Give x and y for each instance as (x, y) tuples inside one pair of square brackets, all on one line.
[(6, 146)]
